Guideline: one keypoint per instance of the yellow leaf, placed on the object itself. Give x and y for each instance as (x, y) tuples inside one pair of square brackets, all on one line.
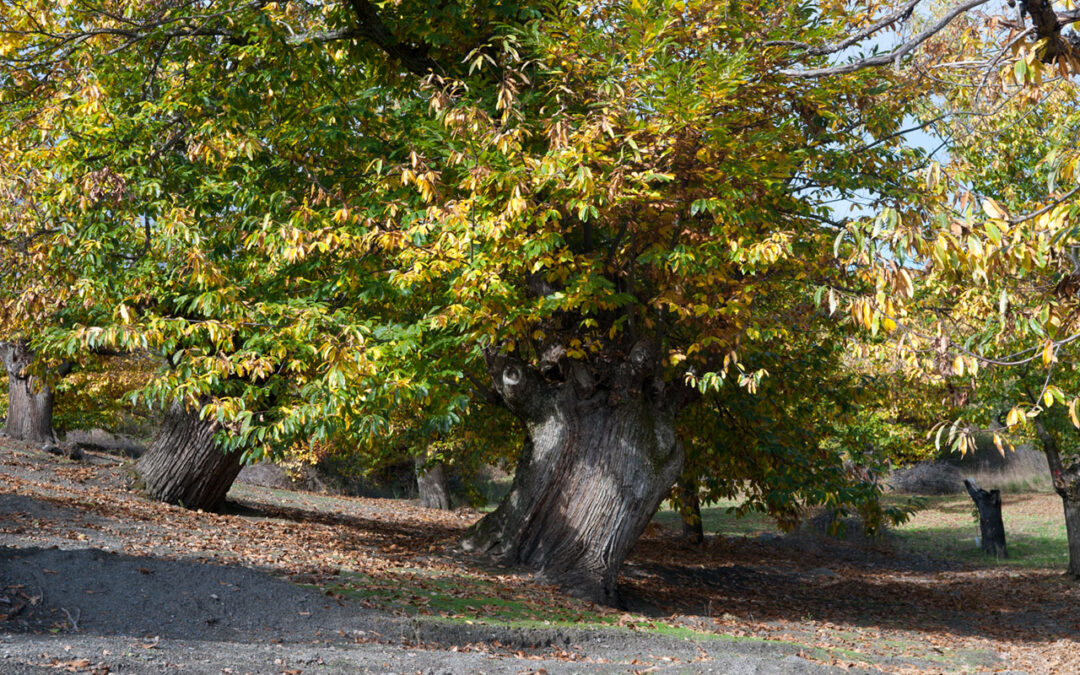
[(1048, 398), (994, 210), (997, 444), (1072, 414), (907, 287), (1014, 417), (958, 365), (1048, 353), (867, 315)]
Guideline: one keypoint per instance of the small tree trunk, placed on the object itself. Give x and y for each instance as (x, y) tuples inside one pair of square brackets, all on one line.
[(431, 485), (30, 400), (1067, 485), (185, 466), (597, 462), (693, 529), (991, 527)]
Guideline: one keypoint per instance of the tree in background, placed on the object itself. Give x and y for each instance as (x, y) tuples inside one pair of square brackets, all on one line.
[(979, 279), (32, 294)]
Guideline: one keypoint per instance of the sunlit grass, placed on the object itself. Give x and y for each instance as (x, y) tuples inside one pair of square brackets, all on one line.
[(947, 528), (719, 518)]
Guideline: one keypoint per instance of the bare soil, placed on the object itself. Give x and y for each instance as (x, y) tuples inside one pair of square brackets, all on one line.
[(94, 578)]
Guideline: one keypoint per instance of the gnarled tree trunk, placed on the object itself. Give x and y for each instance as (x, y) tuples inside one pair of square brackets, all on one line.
[(431, 486), (30, 399), (1067, 485), (599, 457), (184, 465)]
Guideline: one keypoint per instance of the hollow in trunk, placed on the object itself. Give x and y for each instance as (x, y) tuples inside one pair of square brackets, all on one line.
[(185, 466), (600, 455)]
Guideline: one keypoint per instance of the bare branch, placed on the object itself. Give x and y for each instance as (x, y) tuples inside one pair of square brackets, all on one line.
[(895, 55), (899, 15)]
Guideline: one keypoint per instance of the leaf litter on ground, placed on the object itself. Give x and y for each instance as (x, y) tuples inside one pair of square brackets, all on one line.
[(845, 605)]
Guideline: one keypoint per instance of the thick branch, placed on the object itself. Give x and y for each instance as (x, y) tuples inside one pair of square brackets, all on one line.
[(370, 25)]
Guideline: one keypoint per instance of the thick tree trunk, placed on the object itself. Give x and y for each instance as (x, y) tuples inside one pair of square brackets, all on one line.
[(185, 466), (693, 529), (991, 527), (598, 459), (30, 400), (431, 486), (1067, 485)]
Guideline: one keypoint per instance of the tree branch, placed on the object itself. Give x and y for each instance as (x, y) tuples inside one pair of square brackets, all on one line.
[(370, 25), (895, 55), (899, 15)]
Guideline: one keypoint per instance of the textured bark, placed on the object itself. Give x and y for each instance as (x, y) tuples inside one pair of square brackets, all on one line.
[(1067, 485), (185, 466), (431, 485), (693, 529), (1072, 528), (991, 527), (598, 459), (30, 399)]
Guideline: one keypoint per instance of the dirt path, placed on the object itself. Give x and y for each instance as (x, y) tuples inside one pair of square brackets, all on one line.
[(95, 579)]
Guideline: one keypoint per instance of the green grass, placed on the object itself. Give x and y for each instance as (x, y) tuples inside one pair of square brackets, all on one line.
[(945, 527), (1034, 531), (718, 518)]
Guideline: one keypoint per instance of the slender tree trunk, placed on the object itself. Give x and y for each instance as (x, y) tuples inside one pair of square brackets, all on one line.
[(693, 529), (599, 457), (30, 399), (1067, 485), (431, 485), (185, 466)]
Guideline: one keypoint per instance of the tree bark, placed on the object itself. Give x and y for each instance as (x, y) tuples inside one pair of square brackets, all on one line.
[(431, 486), (1067, 485), (693, 529), (30, 399), (185, 466), (598, 458), (991, 527)]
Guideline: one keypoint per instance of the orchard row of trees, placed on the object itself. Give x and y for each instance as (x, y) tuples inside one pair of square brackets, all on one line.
[(608, 228)]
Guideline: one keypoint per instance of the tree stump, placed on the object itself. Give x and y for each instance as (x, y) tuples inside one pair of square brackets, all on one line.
[(991, 527), (433, 491)]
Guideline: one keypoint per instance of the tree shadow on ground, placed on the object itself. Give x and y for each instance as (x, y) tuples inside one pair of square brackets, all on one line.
[(834, 582)]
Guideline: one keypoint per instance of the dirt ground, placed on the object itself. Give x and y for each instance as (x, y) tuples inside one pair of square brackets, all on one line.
[(93, 578)]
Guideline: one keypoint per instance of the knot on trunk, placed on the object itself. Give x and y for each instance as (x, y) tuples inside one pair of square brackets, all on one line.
[(1067, 482), (513, 380)]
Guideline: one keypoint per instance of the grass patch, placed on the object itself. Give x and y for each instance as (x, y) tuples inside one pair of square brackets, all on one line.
[(944, 527), (1034, 531), (719, 518)]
